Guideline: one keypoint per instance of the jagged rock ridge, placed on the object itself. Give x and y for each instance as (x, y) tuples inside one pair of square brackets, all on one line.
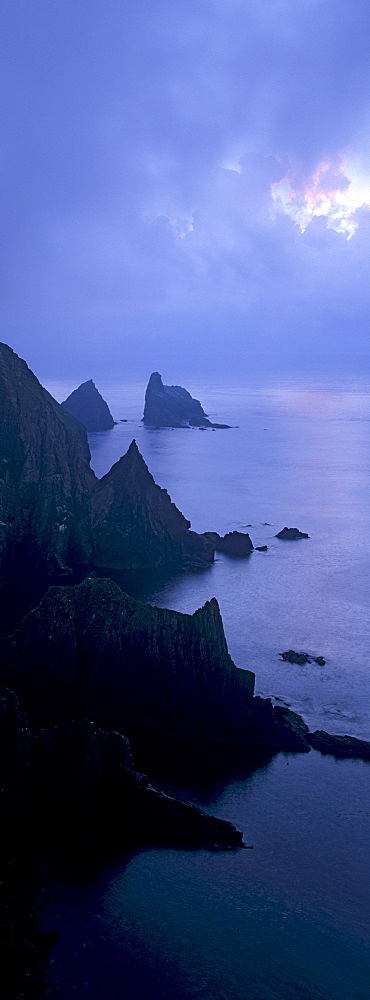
[(93, 652), (135, 522), (45, 478), (55, 515), (88, 406), (172, 406)]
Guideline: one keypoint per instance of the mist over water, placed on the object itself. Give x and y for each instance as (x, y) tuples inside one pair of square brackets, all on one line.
[(290, 918)]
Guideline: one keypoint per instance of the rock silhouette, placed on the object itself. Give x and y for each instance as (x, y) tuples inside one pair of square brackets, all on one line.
[(88, 406), (90, 651), (55, 515), (235, 543), (173, 406)]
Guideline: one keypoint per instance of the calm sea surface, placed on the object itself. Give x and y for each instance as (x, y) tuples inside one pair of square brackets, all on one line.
[(290, 918)]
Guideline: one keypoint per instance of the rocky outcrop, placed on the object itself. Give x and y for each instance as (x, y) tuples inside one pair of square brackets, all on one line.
[(290, 534), (91, 651), (88, 406), (291, 656), (173, 406), (45, 478), (83, 788), (55, 515), (136, 525), (236, 543), (339, 746)]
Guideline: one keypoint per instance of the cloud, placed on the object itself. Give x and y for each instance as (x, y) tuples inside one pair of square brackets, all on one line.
[(181, 167), (332, 192)]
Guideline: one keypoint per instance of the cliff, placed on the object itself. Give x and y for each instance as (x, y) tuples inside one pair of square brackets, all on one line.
[(82, 787), (88, 406), (55, 515), (45, 478), (136, 525), (93, 652), (172, 406)]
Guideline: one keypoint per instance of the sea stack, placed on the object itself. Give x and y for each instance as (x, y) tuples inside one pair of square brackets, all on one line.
[(88, 406), (136, 525), (172, 406)]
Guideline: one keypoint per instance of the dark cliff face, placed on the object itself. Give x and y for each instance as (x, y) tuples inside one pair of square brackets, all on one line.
[(93, 652), (171, 406), (136, 525), (75, 783), (45, 479), (88, 406), (55, 515)]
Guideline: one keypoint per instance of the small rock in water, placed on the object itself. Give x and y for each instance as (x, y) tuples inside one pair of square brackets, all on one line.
[(290, 534), (291, 656)]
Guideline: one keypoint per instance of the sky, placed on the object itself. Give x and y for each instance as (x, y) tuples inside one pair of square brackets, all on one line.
[(184, 183)]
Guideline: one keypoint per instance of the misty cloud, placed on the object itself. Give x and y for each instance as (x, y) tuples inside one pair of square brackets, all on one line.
[(176, 170)]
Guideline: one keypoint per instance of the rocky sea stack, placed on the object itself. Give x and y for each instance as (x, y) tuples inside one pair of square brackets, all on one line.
[(173, 406), (135, 523), (237, 544), (290, 534), (55, 515), (88, 406)]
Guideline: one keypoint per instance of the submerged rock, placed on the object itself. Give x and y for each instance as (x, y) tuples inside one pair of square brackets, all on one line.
[(173, 406), (88, 406), (290, 534), (234, 543), (339, 746)]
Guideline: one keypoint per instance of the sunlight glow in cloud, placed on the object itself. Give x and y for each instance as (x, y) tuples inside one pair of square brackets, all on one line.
[(335, 192)]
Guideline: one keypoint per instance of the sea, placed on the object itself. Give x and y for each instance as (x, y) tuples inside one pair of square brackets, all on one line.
[(288, 919)]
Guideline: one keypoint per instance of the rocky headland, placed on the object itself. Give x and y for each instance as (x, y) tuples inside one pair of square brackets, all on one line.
[(173, 406), (91, 651), (339, 746), (56, 517), (78, 783), (88, 406)]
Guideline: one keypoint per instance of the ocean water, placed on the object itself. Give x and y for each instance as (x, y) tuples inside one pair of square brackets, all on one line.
[(289, 919)]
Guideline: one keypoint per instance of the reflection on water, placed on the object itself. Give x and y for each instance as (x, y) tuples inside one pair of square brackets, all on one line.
[(288, 919)]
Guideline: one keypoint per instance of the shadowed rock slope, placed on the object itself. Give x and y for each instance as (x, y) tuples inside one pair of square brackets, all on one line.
[(55, 515), (45, 478), (88, 406), (136, 524), (75, 783), (91, 651), (172, 406)]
